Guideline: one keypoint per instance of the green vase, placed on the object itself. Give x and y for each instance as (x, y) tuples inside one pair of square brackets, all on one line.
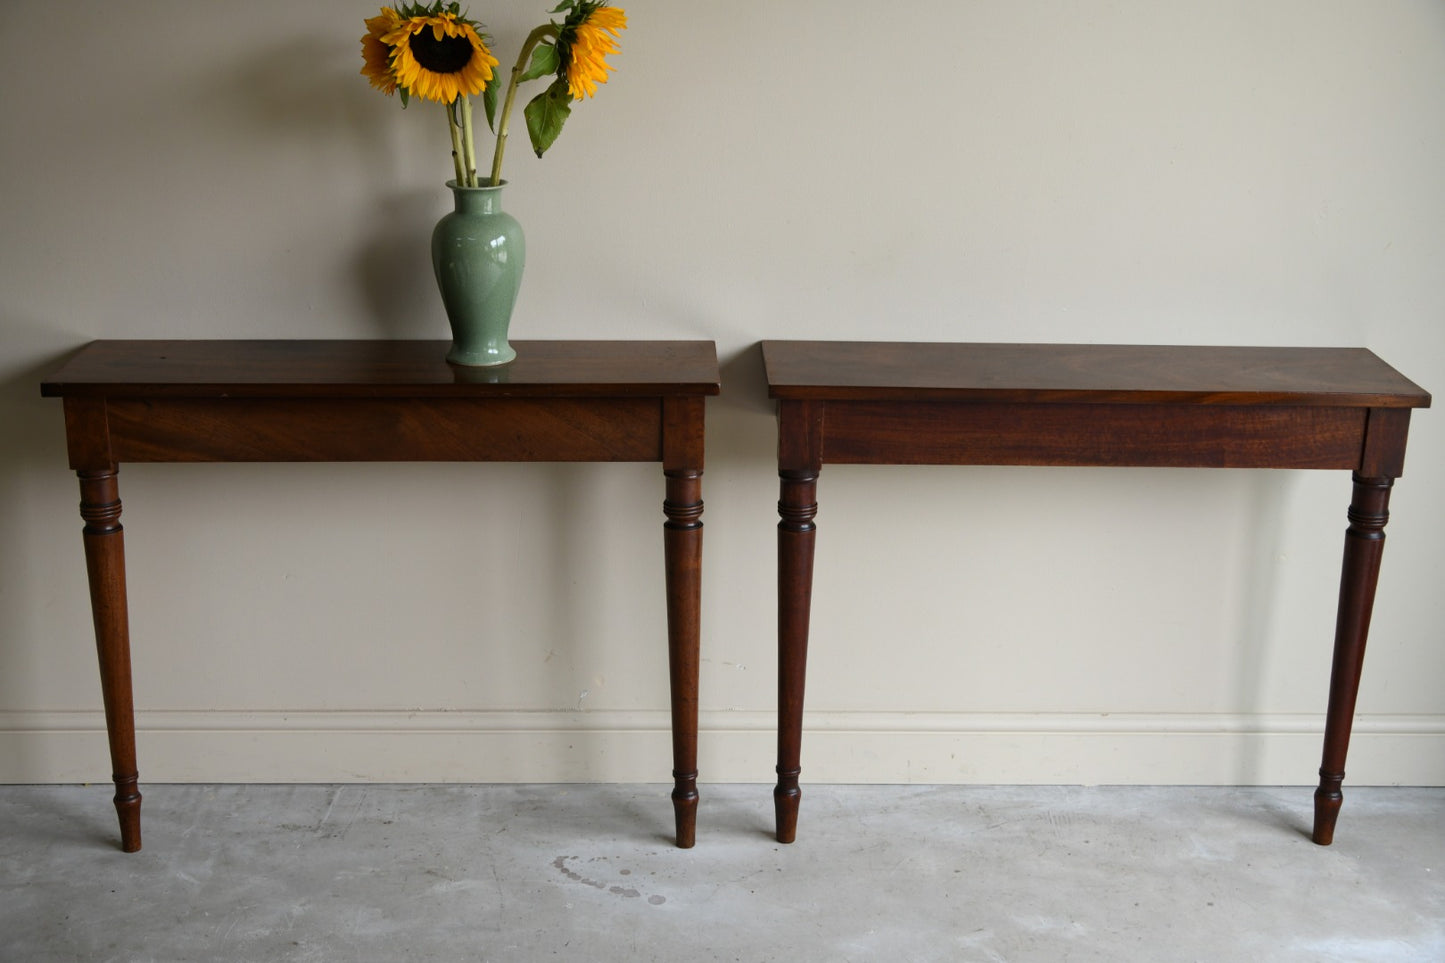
[(478, 252)]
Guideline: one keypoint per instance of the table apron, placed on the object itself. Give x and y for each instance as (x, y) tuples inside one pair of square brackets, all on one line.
[(370, 429), (1122, 435)]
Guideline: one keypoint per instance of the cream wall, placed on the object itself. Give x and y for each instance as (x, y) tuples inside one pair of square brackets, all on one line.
[(1217, 173)]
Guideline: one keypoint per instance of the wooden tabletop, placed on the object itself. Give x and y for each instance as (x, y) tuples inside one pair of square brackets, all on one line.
[(338, 369), (1063, 373)]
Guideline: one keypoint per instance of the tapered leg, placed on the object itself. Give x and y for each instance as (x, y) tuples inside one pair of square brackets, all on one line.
[(1364, 544), (105, 565), (797, 507), (682, 535)]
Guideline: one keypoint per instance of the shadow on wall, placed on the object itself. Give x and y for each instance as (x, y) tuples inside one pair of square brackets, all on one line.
[(32, 428), (308, 99), (1267, 506), (742, 433), (38, 499), (744, 381), (393, 270)]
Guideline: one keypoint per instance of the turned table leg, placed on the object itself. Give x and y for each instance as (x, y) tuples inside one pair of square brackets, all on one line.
[(797, 507), (1364, 544), (682, 548), (105, 566)]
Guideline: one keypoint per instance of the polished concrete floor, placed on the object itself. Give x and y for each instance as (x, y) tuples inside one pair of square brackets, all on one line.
[(908, 873)]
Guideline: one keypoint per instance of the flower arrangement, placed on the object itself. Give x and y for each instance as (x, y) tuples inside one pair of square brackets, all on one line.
[(437, 53)]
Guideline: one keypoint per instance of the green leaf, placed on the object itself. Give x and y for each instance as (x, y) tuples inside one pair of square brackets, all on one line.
[(564, 5), (489, 99), (544, 62), (546, 114), (405, 96)]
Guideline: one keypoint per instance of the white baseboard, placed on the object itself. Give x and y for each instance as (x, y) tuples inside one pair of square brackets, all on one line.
[(634, 746)]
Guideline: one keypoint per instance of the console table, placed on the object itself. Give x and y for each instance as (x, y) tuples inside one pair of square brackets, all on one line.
[(355, 401), (1130, 405)]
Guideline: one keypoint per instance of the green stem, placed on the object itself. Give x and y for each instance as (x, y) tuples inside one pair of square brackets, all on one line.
[(544, 32), (469, 150), (456, 145)]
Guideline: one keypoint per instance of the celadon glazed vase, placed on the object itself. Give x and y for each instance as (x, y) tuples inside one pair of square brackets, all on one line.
[(478, 252)]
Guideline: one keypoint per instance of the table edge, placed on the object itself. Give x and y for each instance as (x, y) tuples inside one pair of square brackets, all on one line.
[(480, 382), (795, 391)]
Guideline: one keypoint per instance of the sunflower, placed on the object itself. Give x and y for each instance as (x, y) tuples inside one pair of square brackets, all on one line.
[(376, 52), (438, 56), (433, 51), (587, 36)]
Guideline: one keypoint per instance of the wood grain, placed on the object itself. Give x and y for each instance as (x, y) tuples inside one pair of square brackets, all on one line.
[(376, 369), (1098, 374)]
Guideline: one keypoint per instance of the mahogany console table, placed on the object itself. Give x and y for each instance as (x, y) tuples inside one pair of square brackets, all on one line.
[(1038, 404), (352, 401)]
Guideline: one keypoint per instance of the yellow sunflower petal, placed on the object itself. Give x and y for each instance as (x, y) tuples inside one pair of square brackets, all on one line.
[(441, 63), (589, 36), (376, 53)]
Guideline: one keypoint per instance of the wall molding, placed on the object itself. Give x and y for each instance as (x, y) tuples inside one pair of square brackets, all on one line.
[(634, 746), (515, 720)]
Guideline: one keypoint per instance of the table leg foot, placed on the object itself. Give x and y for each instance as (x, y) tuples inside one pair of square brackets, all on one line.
[(684, 807), (1328, 798), (786, 798), (127, 808)]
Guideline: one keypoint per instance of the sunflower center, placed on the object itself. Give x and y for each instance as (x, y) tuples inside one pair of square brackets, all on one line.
[(445, 56)]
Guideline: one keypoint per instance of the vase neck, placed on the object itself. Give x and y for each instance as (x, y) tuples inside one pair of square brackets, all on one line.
[(477, 200)]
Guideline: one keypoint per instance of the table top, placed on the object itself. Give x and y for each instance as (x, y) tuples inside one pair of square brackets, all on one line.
[(1095, 374), (382, 369)]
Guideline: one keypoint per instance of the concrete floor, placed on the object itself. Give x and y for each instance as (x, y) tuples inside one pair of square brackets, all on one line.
[(888, 873)]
